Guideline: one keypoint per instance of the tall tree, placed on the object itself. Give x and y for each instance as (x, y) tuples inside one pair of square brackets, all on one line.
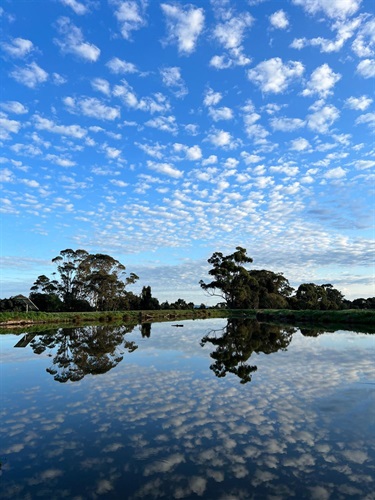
[(86, 281), (70, 288), (148, 302), (232, 281), (274, 289), (103, 281)]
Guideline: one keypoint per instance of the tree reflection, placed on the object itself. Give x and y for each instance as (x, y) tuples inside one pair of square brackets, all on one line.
[(85, 350), (238, 340)]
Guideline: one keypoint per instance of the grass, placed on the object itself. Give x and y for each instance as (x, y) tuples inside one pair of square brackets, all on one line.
[(349, 318), (15, 319)]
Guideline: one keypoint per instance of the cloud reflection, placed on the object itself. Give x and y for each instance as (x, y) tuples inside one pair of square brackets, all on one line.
[(155, 429)]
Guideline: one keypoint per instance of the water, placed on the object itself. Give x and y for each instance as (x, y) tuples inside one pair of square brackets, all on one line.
[(213, 409)]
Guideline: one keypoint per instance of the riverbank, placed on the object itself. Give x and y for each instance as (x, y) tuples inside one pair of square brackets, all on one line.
[(344, 319), (13, 320)]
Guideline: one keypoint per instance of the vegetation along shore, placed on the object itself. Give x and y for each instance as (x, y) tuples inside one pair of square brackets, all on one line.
[(92, 288)]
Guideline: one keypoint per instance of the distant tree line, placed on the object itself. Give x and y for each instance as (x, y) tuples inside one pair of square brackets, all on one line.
[(98, 282), (242, 288)]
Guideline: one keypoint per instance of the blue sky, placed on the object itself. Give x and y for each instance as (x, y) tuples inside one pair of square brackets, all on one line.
[(160, 132)]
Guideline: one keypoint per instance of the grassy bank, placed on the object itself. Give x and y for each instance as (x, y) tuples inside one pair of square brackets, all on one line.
[(16, 319), (347, 319)]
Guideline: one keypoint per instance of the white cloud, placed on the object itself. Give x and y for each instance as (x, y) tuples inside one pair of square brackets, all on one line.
[(279, 20), (366, 68), (285, 124), (221, 138), (212, 159), (251, 158), (364, 43), (165, 123), (221, 62), (58, 79), (299, 144), (6, 175), (14, 107), (101, 85), (31, 75), (231, 33), (212, 98), (165, 168), (119, 183), (90, 106), (194, 153), (78, 7), (331, 8), (156, 104), (68, 130), (112, 153), (335, 173), (223, 113), (253, 129), (155, 150), (61, 161), (172, 78), (117, 66), (131, 16), (323, 118), (359, 103), (345, 30), (30, 183), (18, 47), (8, 127), (368, 118), (322, 80), (364, 164), (275, 76), (184, 25), (73, 41)]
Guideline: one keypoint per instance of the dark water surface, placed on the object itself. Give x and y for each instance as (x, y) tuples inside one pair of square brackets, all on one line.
[(215, 409)]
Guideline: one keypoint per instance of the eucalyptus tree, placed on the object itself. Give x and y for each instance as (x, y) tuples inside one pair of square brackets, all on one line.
[(323, 297), (103, 279), (232, 281), (84, 281), (274, 289), (238, 340)]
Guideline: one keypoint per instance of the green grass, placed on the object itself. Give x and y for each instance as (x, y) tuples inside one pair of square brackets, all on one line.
[(349, 318), (14, 319)]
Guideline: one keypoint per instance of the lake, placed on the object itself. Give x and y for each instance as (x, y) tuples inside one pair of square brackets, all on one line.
[(213, 409)]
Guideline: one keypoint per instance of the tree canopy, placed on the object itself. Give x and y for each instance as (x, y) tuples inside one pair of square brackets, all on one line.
[(84, 281)]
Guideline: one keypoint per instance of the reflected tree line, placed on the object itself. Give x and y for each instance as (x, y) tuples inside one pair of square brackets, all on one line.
[(78, 352), (239, 340), (93, 350)]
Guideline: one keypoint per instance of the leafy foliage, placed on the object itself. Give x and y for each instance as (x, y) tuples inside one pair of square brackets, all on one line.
[(86, 282)]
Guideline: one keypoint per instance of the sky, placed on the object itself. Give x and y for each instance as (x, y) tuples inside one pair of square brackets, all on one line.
[(161, 132)]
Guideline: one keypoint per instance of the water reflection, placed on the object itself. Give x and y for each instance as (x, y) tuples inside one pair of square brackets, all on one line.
[(78, 352), (162, 425), (238, 340)]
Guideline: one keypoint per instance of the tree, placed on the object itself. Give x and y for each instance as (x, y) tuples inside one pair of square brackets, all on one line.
[(321, 297), (89, 350), (48, 302), (148, 302), (232, 281), (70, 287), (274, 289), (238, 340), (85, 282), (101, 279)]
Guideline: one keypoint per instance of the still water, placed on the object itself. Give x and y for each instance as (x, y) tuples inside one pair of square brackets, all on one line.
[(214, 409)]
